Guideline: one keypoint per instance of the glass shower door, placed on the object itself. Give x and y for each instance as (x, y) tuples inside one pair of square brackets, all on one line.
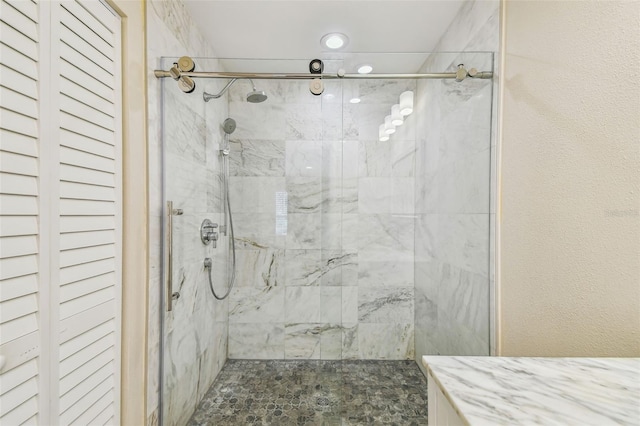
[(194, 323), (284, 314)]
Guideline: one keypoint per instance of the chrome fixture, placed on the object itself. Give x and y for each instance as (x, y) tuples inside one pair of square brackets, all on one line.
[(208, 233), (228, 126), (255, 96), (316, 66), (171, 295), (462, 73), (316, 86), (472, 73), (208, 96), (208, 265), (176, 72), (184, 64)]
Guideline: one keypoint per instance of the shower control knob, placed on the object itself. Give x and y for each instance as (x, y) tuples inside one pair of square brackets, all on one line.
[(208, 232)]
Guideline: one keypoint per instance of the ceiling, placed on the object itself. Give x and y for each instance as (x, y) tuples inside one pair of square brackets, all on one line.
[(292, 29)]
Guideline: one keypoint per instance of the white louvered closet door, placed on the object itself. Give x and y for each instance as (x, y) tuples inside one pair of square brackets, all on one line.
[(89, 205), (20, 266), (61, 210)]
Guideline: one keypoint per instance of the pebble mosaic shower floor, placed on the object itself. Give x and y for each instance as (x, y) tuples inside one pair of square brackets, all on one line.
[(327, 393)]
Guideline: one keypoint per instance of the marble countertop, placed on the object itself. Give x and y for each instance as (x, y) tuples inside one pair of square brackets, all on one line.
[(547, 391)]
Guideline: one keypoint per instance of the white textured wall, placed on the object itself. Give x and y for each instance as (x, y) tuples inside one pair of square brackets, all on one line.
[(570, 179)]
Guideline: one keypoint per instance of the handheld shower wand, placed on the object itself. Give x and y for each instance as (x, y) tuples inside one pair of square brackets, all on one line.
[(229, 126)]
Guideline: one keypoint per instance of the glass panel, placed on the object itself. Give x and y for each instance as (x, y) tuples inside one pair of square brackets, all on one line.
[(379, 224), (453, 166)]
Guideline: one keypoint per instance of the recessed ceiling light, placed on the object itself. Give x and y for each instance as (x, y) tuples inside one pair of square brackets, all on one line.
[(355, 100), (365, 69), (329, 96), (334, 41)]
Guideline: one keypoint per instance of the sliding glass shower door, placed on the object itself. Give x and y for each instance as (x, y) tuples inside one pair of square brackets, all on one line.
[(286, 199), (194, 323)]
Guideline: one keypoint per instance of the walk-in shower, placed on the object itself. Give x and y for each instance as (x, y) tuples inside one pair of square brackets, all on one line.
[(351, 250)]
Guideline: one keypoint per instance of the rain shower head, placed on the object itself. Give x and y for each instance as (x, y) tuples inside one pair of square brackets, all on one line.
[(255, 96)]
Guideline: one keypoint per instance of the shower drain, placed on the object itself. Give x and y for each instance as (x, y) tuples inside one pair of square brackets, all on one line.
[(322, 402)]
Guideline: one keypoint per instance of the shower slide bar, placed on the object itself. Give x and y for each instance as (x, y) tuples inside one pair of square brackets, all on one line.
[(460, 75)]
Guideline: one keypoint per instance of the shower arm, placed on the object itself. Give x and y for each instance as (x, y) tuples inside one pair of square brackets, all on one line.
[(208, 96), (460, 75)]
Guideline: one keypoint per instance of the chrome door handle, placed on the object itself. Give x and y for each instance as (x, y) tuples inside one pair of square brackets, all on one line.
[(170, 294)]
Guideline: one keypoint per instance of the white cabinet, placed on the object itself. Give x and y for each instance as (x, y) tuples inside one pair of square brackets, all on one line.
[(441, 412)]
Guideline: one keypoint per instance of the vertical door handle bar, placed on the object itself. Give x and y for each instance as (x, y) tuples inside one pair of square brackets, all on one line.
[(170, 213)]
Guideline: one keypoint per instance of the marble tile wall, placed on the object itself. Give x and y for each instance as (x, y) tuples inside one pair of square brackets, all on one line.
[(324, 224), (453, 194), (195, 347)]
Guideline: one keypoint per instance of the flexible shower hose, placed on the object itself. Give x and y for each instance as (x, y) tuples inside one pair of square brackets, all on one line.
[(232, 240)]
